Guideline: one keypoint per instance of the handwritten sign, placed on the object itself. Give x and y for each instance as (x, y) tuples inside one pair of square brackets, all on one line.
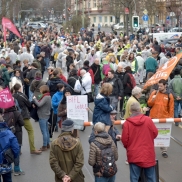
[(164, 134), (77, 110), (6, 99)]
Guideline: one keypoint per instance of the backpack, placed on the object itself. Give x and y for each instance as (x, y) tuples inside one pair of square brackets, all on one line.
[(132, 83), (9, 118), (108, 166), (56, 56), (77, 86), (106, 68)]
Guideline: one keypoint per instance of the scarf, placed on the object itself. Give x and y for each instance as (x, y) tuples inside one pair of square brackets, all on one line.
[(46, 94)]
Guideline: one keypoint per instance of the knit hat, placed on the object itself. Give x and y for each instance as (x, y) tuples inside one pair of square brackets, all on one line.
[(67, 125)]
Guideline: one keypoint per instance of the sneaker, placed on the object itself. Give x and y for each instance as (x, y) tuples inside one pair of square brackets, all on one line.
[(37, 152), (164, 155), (18, 173), (126, 162)]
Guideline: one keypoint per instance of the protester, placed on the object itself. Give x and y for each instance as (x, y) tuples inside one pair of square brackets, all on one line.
[(140, 152)]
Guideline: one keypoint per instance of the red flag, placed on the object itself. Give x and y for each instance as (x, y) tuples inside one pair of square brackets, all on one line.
[(10, 26), (6, 99)]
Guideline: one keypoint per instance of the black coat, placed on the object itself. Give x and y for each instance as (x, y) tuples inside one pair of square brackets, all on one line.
[(126, 81), (69, 60), (71, 82), (120, 75), (18, 123), (24, 104), (97, 73)]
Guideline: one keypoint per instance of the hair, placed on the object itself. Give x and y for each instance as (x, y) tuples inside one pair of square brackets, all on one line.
[(7, 58), (164, 82), (60, 86), (16, 87), (38, 74), (18, 62), (35, 65), (136, 90), (106, 89), (8, 66), (60, 70), (55, 73), (25, 61), (16, 71), (86, 63), (111, 71), (99, 127), (135, 107), (44, 89)]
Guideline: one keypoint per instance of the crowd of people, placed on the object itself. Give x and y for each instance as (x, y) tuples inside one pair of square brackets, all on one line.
[(47, 65)]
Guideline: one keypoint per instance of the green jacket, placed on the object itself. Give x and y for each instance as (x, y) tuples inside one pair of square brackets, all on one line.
[(66, 158), (151, 64), (6, 77), (39, 64), (175, 86)]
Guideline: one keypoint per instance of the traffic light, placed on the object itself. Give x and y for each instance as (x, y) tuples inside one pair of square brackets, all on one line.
[(135, 21)]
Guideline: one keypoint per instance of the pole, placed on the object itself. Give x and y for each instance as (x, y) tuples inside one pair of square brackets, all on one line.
[(65, 10), (76, 7), (83, 14)]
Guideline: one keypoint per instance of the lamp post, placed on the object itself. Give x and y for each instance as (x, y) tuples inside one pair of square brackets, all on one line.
[(83, 17), (19, 15)]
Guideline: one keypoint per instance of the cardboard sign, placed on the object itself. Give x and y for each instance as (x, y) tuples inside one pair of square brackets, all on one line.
[(6, 99), (164, 135), (77, 110), (164, 71)]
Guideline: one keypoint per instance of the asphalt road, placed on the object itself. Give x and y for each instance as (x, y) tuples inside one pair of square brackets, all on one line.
[(37, 168)]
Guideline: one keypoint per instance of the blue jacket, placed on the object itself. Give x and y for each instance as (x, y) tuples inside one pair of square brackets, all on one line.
[(102, 110), (56, 99), (37, 50), (7, 140)]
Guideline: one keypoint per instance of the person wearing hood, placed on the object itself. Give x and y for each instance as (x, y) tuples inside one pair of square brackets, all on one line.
[(102, 107), (66, 155), (13, 56), (102, 140), (7, 141), (26, 56), (163, 59), (91, 57), (138, 137)]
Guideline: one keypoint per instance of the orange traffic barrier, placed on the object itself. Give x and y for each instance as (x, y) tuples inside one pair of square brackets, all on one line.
[(163, 120)]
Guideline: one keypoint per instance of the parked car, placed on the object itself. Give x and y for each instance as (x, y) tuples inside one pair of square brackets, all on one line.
[(119, 26), (175, 29), (36, 25)]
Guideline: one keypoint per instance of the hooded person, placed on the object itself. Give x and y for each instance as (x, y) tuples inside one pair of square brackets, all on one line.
[(66, 155), (26, 56), (163, 59)]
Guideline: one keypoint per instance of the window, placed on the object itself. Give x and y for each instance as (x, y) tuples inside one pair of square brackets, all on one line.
[(100, 18), (94, 3), (94, 19), (105, 18), (110, 18), (89, 4)]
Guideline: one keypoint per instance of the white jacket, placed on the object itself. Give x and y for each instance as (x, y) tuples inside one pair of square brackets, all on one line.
[(15, 80), (13, 56), (140, 61), (86, 83)]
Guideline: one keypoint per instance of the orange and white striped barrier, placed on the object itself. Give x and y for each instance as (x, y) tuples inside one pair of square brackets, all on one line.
[(163, 120)]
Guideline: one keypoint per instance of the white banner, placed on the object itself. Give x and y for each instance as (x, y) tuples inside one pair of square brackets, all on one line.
[(77, 110), (164, 134)]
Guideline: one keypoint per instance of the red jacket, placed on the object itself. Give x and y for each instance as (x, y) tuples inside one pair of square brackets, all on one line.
[(88, 70), (138, 137), (62, 77)]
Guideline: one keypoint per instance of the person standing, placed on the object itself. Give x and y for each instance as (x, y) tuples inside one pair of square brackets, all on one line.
[(47, 49), (162, 105), (175, 87), (138, 137), (66, 155)]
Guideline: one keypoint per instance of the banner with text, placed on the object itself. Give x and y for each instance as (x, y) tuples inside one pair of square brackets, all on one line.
[(77, 110)]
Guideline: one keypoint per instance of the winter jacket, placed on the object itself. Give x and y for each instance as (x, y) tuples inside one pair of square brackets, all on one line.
[(52, 83), (18, 122), (37, 51), (39, 64), (130, 101), (44, 107), (23, 103), (87, 69), (13, 56), (47, 50), (163, 59), (151, 64), (162, 106), (62, 111), (30, 75), (7, 140), (66, 158), (91, 58), (35, 87), (6, 77), (175, 86), (126, 83), (138, 137), (120, 75), (117, 86), (86, 83), (62, 77), (71, 81), (102, 110), (56, 99), (95, 152), (97, 73)]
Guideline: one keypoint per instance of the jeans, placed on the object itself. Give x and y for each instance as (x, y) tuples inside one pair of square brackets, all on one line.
[(30, 131), (43, 123), (177, 103), (96, 89), (47, 60), (136, 170), (17, 159), (103, 179), (6, 177), (30, 95)]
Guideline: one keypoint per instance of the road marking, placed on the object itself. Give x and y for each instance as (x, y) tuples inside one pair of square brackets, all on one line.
[(89, 172), (176, 140)]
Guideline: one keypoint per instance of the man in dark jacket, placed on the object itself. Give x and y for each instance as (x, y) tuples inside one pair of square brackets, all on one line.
[(117, 92), (37, 49), (66, 155), (138, 137), (97, 75), (47, 49), (69, 60)]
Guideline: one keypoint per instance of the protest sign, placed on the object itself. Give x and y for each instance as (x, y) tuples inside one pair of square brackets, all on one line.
[(6, 99), (77, 110), (164, 134)]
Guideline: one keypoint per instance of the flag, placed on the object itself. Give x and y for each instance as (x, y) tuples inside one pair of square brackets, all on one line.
[(7, 24), (164, 71)]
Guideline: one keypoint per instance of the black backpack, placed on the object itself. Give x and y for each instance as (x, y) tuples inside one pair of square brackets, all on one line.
[(108, 166), (9, 118)]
